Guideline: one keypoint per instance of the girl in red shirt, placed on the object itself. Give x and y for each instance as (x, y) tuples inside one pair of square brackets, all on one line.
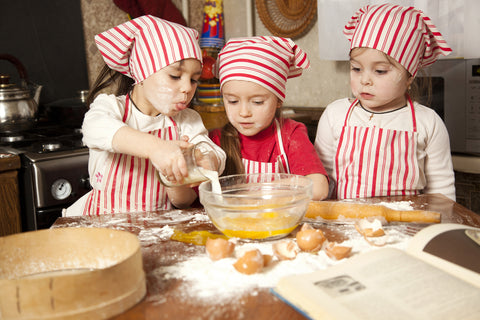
[(253, 73)]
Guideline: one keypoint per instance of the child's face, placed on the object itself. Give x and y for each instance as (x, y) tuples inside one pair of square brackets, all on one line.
[(250, 107), (378, 82), (170, 90)]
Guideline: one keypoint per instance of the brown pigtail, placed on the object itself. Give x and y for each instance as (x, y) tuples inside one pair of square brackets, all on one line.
[(230, 143)]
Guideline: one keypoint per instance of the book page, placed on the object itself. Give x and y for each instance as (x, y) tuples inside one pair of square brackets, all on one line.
[(386, 283), (447, 247)]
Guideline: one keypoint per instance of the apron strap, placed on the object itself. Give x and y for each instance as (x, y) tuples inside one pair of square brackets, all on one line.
[(128, 108), (414, 119), (280, 145), (350, 111)]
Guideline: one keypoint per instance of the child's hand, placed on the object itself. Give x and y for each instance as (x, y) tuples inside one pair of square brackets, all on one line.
[(168, 159)]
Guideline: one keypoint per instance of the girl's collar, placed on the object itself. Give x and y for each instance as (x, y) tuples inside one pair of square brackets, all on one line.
[(381, 112)]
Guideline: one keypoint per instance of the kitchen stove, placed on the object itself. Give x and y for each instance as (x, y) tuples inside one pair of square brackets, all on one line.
[(53, 174)]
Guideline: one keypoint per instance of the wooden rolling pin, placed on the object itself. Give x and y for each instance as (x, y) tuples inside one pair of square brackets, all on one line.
[(331, 210)]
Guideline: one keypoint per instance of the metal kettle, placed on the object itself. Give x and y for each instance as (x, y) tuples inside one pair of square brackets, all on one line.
[(18, 104)]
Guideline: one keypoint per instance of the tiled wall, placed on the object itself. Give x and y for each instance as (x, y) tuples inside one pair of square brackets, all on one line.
[(468, 190)]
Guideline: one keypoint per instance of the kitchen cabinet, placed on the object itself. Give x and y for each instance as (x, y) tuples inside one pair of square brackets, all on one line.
[(10, 222), (213, 117)]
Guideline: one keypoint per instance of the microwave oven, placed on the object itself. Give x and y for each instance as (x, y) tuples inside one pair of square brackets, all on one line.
[(455, 97)]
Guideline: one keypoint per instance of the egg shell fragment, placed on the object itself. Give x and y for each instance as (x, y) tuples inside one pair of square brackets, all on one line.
[(251, 262), (267, 259), (219, 248), (310, 239), (337, 252), (285, 250), (370, 228)]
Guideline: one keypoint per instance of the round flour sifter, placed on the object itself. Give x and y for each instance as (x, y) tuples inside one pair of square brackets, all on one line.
[(70, 273)]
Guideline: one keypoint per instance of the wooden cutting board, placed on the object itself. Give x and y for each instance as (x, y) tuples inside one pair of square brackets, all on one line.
[(70, 273)]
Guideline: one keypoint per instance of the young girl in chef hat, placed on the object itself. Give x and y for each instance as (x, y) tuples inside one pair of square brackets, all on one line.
[(253, 73), (382, 143), (147, 125)]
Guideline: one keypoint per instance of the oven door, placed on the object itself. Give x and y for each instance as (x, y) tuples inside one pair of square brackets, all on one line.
[(51, 182)]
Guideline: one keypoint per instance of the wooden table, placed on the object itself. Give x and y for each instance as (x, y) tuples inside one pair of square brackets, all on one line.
[(164, 299)]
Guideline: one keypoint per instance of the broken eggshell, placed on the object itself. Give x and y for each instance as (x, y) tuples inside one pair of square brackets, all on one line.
[(337, 252), (285, 250), (310, 239), (370, 228), (251, 262), (219, 248), (267, 260)]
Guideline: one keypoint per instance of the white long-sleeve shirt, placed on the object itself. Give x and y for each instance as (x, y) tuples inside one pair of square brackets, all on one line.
[(104, 118), (433, 146)]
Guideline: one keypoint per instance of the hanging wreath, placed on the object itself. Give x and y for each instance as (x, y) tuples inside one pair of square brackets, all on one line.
[(287, 18)]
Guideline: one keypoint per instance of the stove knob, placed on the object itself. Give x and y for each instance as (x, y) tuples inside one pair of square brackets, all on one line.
[(61, 189)]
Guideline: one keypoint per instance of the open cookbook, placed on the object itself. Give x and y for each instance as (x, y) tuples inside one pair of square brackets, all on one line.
[(436, 277)]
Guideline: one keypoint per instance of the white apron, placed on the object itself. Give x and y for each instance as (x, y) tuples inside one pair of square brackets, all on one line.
[(130, 184), (280, 166), (372, 161)]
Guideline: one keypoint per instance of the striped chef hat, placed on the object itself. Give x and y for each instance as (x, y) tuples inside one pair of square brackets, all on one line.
[(267, 61), (404, 33), (140, 47)]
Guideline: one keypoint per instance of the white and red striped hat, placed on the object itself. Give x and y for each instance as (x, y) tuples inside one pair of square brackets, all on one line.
[(404, 33), (140, 47), (267, 61)]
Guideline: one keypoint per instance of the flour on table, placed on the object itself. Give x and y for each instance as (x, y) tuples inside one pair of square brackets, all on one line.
[(398, 205), (220, 282), (154, 234), (200, 217), (395, 205)]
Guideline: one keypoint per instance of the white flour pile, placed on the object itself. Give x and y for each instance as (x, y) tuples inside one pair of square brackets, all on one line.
[(219, 282)]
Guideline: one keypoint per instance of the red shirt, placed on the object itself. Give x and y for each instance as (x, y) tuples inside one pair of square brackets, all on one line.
[(262, 147)]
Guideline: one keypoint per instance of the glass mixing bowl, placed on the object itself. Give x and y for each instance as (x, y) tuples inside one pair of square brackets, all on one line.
[(257, 206)]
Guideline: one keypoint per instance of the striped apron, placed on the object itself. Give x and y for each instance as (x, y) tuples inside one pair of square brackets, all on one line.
[(373, 162), (279, 166), (130, 184)]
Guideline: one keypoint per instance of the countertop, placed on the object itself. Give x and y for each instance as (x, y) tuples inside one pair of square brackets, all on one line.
[(170, 296), (9, 162)]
